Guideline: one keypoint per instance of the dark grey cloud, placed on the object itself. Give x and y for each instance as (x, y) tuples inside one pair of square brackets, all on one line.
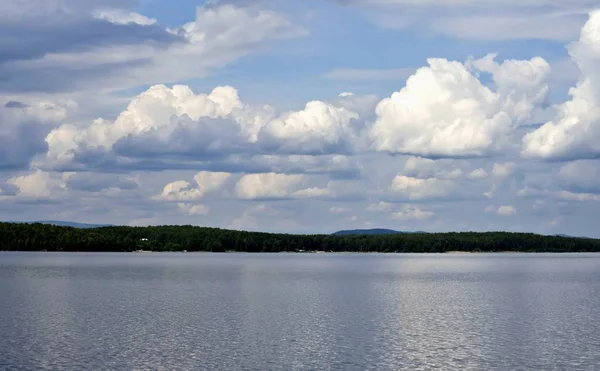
[(301, 146), (90, 182), (31, 40), (107, 162), (9, 189), (581, 176), (28, 37), (58, 50), (62, 46), (15, 104), (185, 139), (19, 79), (20, 143), (56, 8)]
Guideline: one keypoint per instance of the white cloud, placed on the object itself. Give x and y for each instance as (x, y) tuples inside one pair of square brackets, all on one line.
[(320, 127), (149, 112), (445, 110), (571, 196), (422, 189), (503, 170), (312, 192), (420, 167), (573, 133), (571, 191), (182, 190), (352, 219), (192, 209), (380, 207), (279, 186), (506, 211), (38, 185), (477, 174), (268, 185), (338, 210), (491, 192), (363, 105), (121, 16), (172, 122), (408, 212), (45, 111)]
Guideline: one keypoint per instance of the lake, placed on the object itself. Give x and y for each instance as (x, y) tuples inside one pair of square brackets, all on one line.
[(183, 311)]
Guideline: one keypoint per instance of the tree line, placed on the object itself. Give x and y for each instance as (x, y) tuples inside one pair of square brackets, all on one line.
[(45, 237)]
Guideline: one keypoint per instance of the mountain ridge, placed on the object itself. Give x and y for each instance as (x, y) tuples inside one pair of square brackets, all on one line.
[(62, 223)]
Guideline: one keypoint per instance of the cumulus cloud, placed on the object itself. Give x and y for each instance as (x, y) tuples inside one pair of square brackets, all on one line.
[(446, 111), (159, 121), (275, 186), (270, 185), (420, 167), (193, 209), (477, 174), (174, 124), (38, 185), (503, 170), (363, 105), (23, 127), (573, 133), (319, 128), (501, 210), (182, 190)]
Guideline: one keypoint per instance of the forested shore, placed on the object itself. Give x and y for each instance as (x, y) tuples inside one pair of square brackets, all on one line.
[(44, 237)]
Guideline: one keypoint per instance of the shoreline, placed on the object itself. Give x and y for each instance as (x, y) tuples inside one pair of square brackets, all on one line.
[(454, 252)]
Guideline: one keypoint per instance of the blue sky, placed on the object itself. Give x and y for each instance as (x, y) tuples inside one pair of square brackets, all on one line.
[(302, 117)]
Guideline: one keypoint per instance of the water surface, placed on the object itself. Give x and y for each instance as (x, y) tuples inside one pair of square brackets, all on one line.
[(97, 311)]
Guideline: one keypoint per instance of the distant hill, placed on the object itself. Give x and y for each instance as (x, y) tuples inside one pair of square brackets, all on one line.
[(68, 224), (369, 232), (569, 236)]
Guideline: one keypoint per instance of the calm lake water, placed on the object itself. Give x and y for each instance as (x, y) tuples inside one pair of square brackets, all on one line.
[(62, 311)]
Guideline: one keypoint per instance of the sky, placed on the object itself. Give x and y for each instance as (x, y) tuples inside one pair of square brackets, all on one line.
[(303, 117)]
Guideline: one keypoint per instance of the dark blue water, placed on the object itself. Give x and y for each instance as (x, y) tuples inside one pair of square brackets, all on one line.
[(62, 311)]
